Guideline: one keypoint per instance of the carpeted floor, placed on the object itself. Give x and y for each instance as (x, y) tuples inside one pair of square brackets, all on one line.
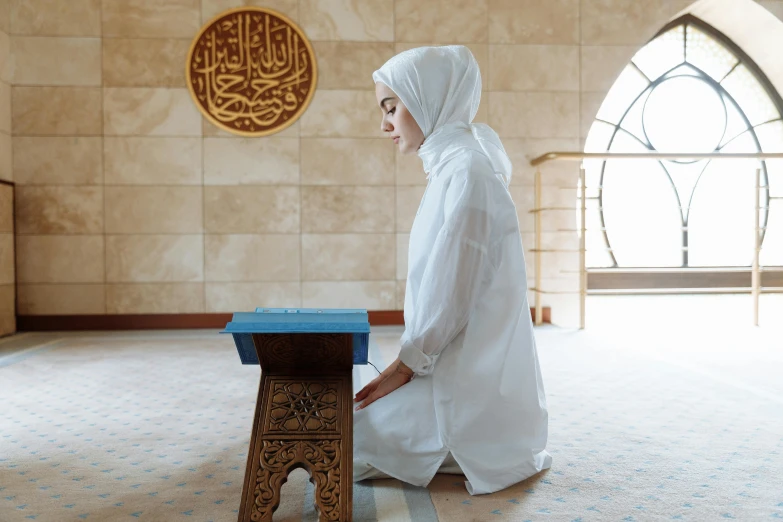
[(646, 424)]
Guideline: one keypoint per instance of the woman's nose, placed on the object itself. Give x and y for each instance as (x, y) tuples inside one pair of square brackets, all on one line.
[(386, 126)]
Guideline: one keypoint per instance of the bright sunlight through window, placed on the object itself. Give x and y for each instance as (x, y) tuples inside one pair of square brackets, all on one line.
[(688, 90)]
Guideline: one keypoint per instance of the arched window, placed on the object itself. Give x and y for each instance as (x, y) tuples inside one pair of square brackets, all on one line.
[(690, 89)]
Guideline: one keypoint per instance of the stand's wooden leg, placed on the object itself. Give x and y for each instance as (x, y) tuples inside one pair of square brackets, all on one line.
[(246, 503), (301, 422)]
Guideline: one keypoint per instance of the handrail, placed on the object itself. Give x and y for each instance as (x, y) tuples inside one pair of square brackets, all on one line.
[(576, 156), (538, 211)]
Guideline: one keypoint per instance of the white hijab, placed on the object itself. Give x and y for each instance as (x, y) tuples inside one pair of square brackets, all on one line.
[(441, 88)]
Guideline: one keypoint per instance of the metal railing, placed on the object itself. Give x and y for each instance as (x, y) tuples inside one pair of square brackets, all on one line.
[(538, 211)]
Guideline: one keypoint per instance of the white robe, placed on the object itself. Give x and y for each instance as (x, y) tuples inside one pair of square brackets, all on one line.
[(478, 391)]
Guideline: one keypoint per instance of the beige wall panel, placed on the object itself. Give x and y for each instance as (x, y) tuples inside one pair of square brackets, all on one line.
[(346, 257)]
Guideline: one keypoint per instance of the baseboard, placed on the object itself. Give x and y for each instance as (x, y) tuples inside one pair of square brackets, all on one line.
[(62, 323)]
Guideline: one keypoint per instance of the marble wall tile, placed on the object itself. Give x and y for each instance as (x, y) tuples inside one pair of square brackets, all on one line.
[(6, 157), (7, 259), (619, 22), (157, 298), (590, 102), (560, 197), (357, 20), (5, 16), (560, 221), (154, 258), (558, 175), (400, 295), (534, 22), (58, 161), (62, 299), (6, 209), (5, 108), (144, 62), (482, 115), (65, 111), (555, 265), (342, 114), (59, 210), (773, 6), (60, 259), (246, 297), (524, 200), (349, 65), (251, 161), (534, 114), (347, 209), (348, 257), (56, 61), (251, 210), (522, 150), (212, 8), (370, 295), (256, 258), (211, 130), (151, 18), (564, 282), (346, 161), (150, 112), (409, 170), (152, 160), (408, 200), (402, 255), (559, 240), (601, 65), (534, 68), (154, 210), (56, 18), (7, 310), (441, 21), (6, 61)]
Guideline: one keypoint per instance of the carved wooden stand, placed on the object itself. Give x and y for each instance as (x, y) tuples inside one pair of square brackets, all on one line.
[(303, 419)]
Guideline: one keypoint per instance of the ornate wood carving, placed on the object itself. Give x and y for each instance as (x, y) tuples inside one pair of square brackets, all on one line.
[(302, 352), (321, 459), (303, 407), (251, 71), (303, 420)]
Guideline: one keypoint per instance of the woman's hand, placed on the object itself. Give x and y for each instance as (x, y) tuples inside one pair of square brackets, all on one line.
[(395, 376), (369, 388)]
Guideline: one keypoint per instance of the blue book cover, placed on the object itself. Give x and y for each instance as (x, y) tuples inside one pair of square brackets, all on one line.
[(299, 320)]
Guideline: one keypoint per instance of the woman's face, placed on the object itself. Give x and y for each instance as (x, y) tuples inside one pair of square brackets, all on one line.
[(397, 121)]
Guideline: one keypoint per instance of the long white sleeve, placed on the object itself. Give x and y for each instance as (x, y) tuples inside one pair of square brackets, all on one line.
[(457, 267)]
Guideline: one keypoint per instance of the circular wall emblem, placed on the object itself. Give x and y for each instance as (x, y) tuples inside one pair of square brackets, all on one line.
[(251, 71)]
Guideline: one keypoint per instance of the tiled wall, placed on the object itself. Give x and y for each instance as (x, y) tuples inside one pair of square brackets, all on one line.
[(773, 6), (6, 170), (130, 202), (7, 276)]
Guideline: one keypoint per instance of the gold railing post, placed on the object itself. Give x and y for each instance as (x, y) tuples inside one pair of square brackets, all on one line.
[(539, 305), (756, 272), (582, 246)]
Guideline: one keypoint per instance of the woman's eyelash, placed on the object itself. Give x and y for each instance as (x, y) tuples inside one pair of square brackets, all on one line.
[(391, 111)]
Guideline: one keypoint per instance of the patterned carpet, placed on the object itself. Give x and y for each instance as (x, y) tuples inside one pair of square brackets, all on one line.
[(154, 426)]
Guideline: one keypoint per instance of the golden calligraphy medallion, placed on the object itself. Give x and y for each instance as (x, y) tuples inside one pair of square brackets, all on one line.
[(251, 71)]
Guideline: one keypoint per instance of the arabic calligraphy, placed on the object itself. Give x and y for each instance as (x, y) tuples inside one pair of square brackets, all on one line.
[(251, 71)]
